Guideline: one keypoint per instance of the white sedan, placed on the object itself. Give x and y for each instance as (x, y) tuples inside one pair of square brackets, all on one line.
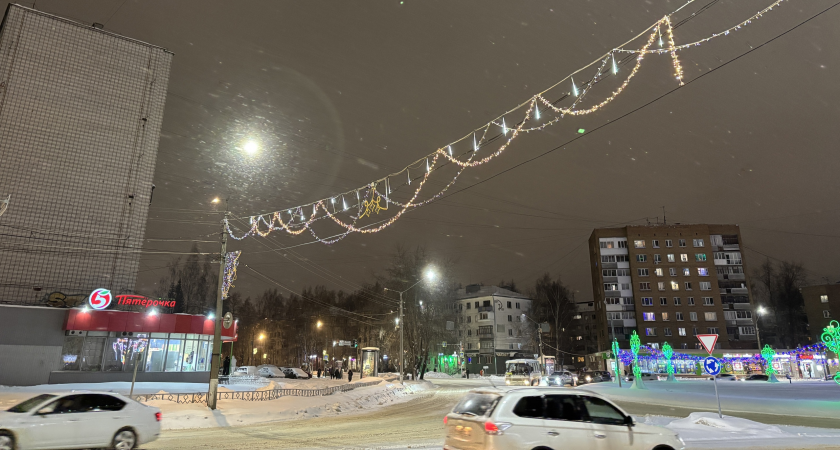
[(78, 420), (270, 371)]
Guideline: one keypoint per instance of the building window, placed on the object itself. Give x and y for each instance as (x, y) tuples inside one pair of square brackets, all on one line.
[(700, 257), (641, 258), (686, 272), (669, 243), (684, 257), (612, 300), (698, 242), (469, 319), (510, 318), (650, 331), (643, 272), (607, 258), (675, 286), (469, 305), (671, 257), (644, 286), (660, 285), (469, 332), (672, 271), (639, 244), (627, 300), (679, 316), (690, 301), (655, 243), (702, 271), (510, 332), (676, 301), (649, 317), (687, 285), (610, 286), (485, 316), (667, 331), (708, 301), (658, 272), (826, 314), (607, 244), (746, 330), (508, 305), (625, 286), (681, 331), (705, 286), (657, 258), (692, 316), (665, 317), (622, 244), (710, 316), (517, 305), (823, 299), (682, 242), (713, 330), (663, 301), (647, 301)]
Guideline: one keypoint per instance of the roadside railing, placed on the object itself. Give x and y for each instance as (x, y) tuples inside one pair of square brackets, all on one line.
[(252, 396)]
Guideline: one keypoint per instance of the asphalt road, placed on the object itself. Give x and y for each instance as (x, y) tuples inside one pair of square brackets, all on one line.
[(417, 423)]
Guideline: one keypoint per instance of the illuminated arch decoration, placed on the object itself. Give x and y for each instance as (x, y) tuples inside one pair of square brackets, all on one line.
[(831, 339), (769, 355), (635, 345), (668, 352)]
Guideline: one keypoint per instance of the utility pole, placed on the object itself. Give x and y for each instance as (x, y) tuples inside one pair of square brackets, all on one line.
[(216, 362), (402, 351)]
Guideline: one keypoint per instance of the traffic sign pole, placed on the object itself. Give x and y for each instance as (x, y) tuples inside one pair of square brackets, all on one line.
[(712, 366), (714, 380)]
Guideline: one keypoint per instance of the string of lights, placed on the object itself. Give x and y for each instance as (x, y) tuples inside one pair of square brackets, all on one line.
[(379, 191)]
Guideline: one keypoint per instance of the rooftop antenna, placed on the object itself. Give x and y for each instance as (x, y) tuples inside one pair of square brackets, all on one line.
[(664, 221)]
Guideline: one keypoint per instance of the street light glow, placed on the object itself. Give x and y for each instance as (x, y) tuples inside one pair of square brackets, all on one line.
[(430, 274), (251, 147), (319, 324), (761, 310), (262, 336), (216, 200)]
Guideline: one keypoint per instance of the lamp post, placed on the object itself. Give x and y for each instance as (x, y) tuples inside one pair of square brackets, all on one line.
[(760, 312), (216, 359), (430, 275), (539, 334)]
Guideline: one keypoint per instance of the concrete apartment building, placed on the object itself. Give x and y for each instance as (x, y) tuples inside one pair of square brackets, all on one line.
[(822, 305), (81, 110), (670, 283), (490, 328)]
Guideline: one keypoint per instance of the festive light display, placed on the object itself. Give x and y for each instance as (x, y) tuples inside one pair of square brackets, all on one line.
[(668, 352), (615, 351), (635, 346), (531, 111), (769, 354), (231, 263), (831, 338)]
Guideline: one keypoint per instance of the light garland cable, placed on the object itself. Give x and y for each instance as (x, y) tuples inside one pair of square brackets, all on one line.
[(231, 263), (532, 107)]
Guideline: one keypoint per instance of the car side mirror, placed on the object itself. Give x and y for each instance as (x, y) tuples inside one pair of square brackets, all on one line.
[(629, 421)]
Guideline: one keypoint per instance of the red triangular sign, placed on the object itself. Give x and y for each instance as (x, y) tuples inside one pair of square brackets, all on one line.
[(708, 341)]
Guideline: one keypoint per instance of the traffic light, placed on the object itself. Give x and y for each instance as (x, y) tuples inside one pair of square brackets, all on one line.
[(355, 343)]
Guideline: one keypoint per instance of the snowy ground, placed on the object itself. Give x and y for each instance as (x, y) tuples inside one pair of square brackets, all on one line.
[(239, 412)]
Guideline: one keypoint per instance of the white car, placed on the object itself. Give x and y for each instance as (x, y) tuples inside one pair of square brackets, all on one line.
[(294, 372), (270, 371), (78, 420), (548, 418), (245, 371)]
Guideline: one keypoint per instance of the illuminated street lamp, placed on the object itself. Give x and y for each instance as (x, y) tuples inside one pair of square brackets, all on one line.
[(251, 147), (430, 276)]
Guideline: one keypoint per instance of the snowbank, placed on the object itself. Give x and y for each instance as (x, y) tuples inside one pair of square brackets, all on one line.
[(435, 375)]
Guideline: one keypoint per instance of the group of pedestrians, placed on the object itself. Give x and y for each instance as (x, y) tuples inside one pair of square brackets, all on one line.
[(337, 373)]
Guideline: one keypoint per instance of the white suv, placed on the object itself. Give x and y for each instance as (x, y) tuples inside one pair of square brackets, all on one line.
[(546, 418)]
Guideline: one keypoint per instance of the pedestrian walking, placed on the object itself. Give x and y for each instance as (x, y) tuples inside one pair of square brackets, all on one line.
[(226, 366), (337, 373), (319, 373), (332, 373), (350, 375), (468, 374)]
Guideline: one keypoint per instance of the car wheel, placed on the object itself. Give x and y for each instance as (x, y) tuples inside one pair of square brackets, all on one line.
[(7, 441), (125, 439), (662, 447)]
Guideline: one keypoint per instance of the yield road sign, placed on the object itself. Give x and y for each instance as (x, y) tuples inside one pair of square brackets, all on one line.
[(708, 341), (712, 365)]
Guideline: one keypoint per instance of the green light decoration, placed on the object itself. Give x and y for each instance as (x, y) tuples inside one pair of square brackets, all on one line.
[(668, 352), (831, 339), (581, 131), (615, 350), (635, 345), (769, 354)]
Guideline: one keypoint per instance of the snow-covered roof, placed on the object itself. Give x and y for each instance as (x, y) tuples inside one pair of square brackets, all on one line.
[(486, 291)]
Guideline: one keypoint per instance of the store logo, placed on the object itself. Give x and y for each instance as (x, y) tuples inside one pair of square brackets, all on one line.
[(100, 299)]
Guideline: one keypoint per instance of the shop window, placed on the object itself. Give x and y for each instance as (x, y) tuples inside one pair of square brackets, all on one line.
[(120, 354), (190, 355), (71, 352), (156, 355), (92, 353)]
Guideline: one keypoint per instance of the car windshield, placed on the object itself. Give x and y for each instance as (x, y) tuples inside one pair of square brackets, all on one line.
[(31, 403), (518, 368), (476, 404)]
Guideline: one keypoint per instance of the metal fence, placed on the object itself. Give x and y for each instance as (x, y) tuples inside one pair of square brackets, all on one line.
[(252, 396)]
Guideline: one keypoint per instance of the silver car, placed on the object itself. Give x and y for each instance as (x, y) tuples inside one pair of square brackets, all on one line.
[(547, 418)]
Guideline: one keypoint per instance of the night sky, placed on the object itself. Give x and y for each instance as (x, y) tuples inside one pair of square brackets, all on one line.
[(340, 93)]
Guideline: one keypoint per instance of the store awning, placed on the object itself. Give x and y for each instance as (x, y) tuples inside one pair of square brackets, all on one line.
[(136, 322)]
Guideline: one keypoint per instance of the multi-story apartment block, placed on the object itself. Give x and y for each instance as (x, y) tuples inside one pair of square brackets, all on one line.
[(490, 328), (670, 283), (822, 305), (81, 110)]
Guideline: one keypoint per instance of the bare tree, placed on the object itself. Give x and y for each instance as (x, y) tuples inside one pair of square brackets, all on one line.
[(778, 287), (553, 302)]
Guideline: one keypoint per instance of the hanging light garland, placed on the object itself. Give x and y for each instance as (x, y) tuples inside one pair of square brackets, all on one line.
[(231, 263), (264, 224)]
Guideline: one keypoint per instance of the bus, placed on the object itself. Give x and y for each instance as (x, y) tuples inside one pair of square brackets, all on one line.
[(522, 372)]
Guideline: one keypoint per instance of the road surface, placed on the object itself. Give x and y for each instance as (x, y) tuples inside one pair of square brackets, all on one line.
[(417, 423)]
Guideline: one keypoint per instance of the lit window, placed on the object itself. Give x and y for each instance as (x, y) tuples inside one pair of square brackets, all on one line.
[(823, 299), (702, 271), (667, 331), (686, 272), (649, 317), (681, 331), (708, 301), (665, 316), (610, 286), (660, 285), (641, 258), (676, 301), (698, 242), (647, 301), (675, 286), (692, 316), (650, 331), (684, 257), (705, 286), (700, 257), (607, 244), (710, 316), (639, 244), (658, 273), (671, 257), (669, 243)]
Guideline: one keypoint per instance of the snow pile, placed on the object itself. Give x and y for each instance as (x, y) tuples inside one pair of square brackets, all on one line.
[(433, 375)]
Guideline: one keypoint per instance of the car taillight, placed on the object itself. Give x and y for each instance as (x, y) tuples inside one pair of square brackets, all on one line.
[(445, 420), (158, 416), (495, 428)]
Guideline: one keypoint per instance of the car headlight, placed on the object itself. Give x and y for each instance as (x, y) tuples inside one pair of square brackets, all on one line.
[(588, 378)]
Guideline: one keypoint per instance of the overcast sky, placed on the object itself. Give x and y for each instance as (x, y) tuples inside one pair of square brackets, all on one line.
[(340, 93)]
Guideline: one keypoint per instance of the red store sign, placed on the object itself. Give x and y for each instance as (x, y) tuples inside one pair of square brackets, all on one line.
[(143, 301)]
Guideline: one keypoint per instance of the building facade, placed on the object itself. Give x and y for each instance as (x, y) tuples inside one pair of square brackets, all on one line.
[(822, 305), (669, 283), (490, 328), (81, 110)]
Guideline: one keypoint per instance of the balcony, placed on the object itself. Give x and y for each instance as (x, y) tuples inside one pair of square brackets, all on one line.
[(485, 309)]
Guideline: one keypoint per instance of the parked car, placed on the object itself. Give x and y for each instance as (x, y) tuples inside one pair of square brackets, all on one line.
[(245, 371), (757, 377), (528, 418), (646, 376), (270, 371), (726, 377), (294, 372), (561, 378), (79, 420), (522, 372), (594, 377)]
